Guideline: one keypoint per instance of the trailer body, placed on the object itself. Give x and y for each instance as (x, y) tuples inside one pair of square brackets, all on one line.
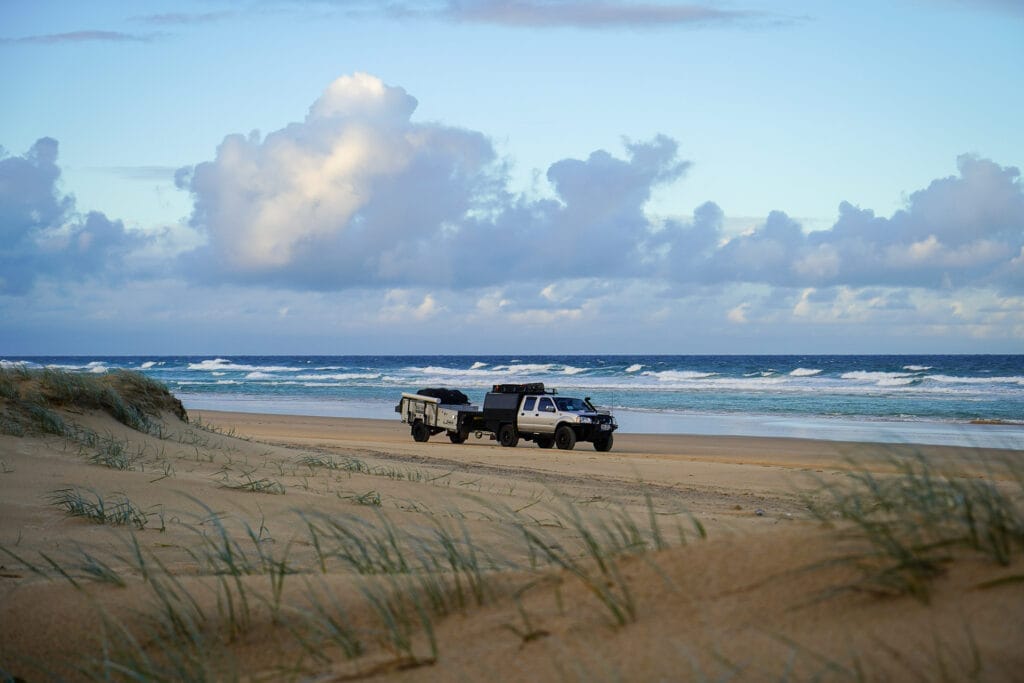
[(428, 416)]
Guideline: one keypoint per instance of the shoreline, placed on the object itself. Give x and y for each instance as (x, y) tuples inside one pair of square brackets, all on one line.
[(332, 431), (985, 435)]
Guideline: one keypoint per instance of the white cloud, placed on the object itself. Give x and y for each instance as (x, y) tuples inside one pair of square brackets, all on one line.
[(818, 263), (359, 194), (545, 316), (492, 302), (738, 314), (43, 236), (405, 306)]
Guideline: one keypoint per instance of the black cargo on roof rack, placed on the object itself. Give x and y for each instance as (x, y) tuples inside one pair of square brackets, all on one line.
[(530, 388)]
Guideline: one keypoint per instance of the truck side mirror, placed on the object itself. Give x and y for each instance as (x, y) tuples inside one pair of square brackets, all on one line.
[(549, 409)]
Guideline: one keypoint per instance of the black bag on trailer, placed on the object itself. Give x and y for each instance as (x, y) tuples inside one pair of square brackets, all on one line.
[(451, 397)]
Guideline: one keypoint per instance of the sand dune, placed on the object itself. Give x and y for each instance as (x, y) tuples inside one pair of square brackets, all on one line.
[(269, 547)]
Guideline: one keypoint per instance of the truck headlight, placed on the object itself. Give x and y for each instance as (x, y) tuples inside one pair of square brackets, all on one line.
[(583, 420)]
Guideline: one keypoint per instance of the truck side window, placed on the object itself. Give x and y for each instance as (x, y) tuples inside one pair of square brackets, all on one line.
[(529, 403), (547, 405)]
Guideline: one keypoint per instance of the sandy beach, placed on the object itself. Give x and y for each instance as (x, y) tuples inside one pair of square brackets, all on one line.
[(328, 549)]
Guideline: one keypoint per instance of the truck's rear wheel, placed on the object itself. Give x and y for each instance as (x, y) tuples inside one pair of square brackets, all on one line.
[(458, 437), (545, 441), (603, 443), (420, 431), (508, 436), (565, 438)]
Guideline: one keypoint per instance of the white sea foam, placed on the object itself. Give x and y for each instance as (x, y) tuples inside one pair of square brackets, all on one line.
[(478, 365), (677, 375), (524, 368), (224, 364), (341, 376), (498, 371), (917, 368), (896, 381), (148, 364), (947, 379), (216, 363), (435, 370), (868, 376), (95, 367), (636, 367), (805, 372), (259, 375), (650, 383), (218, 374)]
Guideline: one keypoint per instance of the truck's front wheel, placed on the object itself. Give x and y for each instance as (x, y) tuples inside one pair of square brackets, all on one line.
[(603, 443), (565, 438), (508, 436), (420, 431)]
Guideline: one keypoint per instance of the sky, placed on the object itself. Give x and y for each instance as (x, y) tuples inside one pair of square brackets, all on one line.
[(523, 177)]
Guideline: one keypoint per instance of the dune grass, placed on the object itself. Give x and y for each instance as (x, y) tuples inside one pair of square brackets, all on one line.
[(255, 485), (912, 522), (407, 577), (118, 510), (29, 398)]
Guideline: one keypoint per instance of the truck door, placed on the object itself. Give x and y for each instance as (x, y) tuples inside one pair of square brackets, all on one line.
[(527, 419), (546, 416)]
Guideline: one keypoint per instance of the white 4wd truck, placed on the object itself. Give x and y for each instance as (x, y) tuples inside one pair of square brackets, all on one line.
[(511, 412)]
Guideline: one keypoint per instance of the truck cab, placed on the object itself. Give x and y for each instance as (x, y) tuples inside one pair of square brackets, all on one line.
[(531, 412)]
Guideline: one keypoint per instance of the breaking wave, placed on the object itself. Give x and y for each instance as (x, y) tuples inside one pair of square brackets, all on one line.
[(224, 364)]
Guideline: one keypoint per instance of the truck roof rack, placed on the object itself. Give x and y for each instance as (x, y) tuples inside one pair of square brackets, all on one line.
[(529, 388)]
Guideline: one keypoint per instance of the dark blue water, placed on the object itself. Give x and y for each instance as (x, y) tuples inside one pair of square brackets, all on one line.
[(950, 390)]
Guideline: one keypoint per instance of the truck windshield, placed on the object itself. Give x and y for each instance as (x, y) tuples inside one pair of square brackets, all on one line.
[(571, 404)]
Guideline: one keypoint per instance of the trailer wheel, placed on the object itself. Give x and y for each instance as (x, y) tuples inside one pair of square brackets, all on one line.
[(545, 441), (565, 438), (458, 437), (603, 443), (420, 431), (508, 436)]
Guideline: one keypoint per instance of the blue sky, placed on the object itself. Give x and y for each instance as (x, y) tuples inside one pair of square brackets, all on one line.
[(488, 176)]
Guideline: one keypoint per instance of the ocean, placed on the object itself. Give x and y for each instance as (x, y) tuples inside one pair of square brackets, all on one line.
[(911, 399)]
